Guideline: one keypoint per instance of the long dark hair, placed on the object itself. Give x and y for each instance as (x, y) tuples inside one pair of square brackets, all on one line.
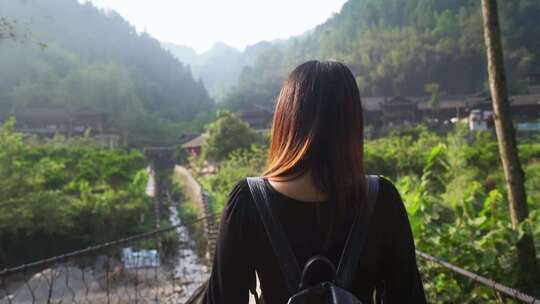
[(318, 127)]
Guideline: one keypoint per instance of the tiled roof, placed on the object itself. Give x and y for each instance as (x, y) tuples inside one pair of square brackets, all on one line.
[(195, 142)]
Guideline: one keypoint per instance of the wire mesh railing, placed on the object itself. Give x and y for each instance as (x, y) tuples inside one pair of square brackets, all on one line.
[(499, 292), (156, 267)]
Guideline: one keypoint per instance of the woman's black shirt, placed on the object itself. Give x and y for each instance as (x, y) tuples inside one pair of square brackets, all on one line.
[(388, 261)]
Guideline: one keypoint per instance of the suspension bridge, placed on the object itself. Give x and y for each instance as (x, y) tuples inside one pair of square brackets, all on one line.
[(161, 266), (105, 274)]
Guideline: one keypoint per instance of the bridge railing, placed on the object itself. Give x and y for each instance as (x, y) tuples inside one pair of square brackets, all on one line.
[(499, 292), (156, 267)]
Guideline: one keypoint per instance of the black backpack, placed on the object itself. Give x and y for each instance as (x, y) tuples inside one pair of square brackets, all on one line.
[(336, 285)]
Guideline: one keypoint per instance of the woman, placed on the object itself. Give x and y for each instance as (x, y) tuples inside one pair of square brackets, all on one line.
[(315, 178)]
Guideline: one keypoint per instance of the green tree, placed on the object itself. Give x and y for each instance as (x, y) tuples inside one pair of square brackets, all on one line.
[(396, 48), (7, 29), (435, 101), (66, 194), (97, 60), (446, 24), (238, 165), (109, 88), (508, 150), (225, 135), (453, 189)]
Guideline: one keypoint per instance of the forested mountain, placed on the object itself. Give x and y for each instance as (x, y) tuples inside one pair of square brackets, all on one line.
[(220, 66), (185, 54), (72, 54), (398, 47)]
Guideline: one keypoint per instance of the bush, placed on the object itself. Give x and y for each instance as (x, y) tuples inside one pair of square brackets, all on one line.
[(454, 192), (58, 197), (239, 165), (226, 134)]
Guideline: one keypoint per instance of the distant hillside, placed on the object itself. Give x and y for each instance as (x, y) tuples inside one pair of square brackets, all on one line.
[(218, 67), (184, 54), (94, 58), (397, 47)]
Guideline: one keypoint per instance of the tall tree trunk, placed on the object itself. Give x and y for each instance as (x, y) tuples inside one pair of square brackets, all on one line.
[(515, 178)]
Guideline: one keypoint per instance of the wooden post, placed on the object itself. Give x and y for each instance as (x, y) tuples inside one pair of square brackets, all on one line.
[(515, 178)]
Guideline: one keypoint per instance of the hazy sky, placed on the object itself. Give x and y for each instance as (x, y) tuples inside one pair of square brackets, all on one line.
[(201, 23)]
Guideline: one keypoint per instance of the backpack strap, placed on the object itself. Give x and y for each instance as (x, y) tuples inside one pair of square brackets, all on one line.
[(357, 236), (282, 250)]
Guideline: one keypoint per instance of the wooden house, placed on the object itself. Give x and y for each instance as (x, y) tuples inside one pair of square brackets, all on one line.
[(51, 120), (399, 110), (258, 116), (193, 147)]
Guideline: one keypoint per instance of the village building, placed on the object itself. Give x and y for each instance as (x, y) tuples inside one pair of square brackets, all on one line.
[(46, 122), (455, 106), (525, 111), (371, 107), (399, 110), (193, 147), (49, 121), (259, 117), (409, 110)]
